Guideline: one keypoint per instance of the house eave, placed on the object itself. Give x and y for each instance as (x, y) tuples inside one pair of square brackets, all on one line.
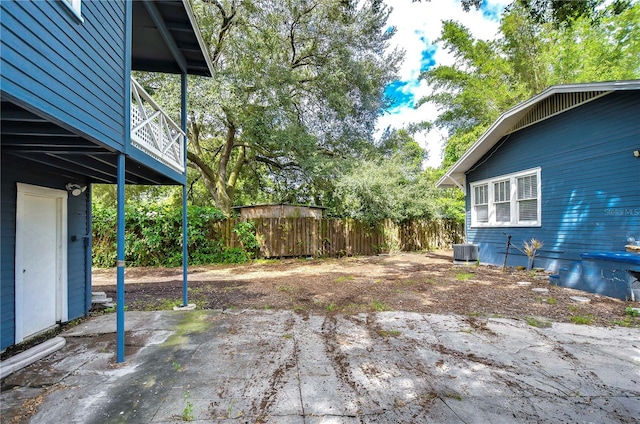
[(504, 124)]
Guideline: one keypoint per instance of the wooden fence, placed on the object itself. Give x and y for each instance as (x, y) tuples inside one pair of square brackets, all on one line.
[(281, 237)]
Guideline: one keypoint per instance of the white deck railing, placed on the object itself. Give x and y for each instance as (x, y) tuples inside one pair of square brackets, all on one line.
[(153, 131)]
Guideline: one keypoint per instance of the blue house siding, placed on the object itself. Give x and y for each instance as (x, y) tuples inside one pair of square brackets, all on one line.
[(590, 182), (15, 170), (72, 72)]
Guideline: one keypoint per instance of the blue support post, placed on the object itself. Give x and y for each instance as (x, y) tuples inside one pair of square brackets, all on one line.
[(88, 243), (185, 250), (120, 263)]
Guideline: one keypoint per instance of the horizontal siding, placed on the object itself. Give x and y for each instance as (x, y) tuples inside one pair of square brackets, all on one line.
[(590, 181), (70, 71), (16, 170)]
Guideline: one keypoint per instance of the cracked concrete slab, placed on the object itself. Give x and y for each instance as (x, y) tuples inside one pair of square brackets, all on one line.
[(285, 367)]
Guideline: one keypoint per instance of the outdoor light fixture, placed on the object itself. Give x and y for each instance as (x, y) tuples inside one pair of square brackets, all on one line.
[(636, 153), (75, 189)]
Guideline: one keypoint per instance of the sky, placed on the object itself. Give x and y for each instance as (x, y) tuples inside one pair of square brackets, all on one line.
[(418, 25)]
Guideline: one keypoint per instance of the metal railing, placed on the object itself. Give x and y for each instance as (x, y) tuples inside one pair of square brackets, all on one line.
[(153, 131)]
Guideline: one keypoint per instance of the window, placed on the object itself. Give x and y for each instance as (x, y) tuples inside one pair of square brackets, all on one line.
[(481, 203), (75, 6), (502, 201), (528, 198), (507, 201)]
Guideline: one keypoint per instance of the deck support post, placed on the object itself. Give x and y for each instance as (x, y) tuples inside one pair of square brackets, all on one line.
[(185, 251), (120, 261)]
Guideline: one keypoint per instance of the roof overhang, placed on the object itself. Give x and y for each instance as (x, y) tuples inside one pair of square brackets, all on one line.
[(166, 39), (508, 123)]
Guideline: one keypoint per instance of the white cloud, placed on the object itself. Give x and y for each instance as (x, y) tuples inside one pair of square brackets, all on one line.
[(418, 25)]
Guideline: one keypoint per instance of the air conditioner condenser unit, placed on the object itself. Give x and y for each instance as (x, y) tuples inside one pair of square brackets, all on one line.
[(463, 253)]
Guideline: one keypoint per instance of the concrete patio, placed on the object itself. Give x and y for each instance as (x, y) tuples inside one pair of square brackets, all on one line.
[(252, 366)]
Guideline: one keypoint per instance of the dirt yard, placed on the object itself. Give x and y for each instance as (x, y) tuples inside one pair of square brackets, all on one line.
[(416, 282)]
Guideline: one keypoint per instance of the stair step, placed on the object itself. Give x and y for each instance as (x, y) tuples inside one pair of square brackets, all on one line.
[(102, 301)]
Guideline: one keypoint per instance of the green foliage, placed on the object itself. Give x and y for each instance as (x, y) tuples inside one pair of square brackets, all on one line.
[(388, 184), (538, 322), (388, 333), (541, 43), (247, 237), (295, 92), (463, 276), (187, 412), (379, 306), (582, 319), (153, 236)]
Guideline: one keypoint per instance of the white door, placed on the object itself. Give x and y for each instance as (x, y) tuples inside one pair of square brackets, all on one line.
[(41, 259)]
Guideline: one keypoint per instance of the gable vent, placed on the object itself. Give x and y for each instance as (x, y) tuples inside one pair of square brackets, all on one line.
[(554, 105)]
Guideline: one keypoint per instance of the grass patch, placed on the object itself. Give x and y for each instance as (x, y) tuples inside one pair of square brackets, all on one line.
[(330, 307), (352, 308), (388, 333), (629, 322), (463, 276), (538, 322), (344, 278), (285, 289), (379, 306), (552, 300), (455, 396), (166, 305), (582, 319)]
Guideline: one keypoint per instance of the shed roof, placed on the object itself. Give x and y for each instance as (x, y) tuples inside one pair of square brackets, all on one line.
[(550, 102), (278, 204)]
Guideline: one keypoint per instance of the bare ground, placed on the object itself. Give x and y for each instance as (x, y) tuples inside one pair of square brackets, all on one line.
[(415, 282)]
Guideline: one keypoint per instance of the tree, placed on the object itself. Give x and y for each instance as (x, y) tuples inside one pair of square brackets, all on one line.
[(387, 186), (490, 77), (296, 90), (479, 86)]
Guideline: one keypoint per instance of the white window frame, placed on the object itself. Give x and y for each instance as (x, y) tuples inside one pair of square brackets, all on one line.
[(484, 203), (75, 6), (513, 201)]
